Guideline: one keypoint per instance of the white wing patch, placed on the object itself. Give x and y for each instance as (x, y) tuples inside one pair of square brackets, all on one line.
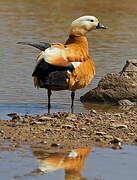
[(76, 64), (54, 52)]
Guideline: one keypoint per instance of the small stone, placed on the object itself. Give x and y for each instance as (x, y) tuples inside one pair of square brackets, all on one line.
[(117, 114), (43, 118), (54, 145), (99, 139), (100, 133), (112, 121), (44, 142), (12, 114), (93, 111), (85, 136), (135, 140), (125, 102), (83, 129), (117, 146), (25, 120), (131, 134), (2, 132), (108, 136), (71, 116), (121, 126), (67, 126), (16, 124), (116, 141)]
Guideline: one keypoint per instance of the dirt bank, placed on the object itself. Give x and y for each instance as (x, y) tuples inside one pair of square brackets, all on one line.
[(71, 130)]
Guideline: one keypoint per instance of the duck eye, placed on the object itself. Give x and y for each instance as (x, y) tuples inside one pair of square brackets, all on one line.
[(92, 20)]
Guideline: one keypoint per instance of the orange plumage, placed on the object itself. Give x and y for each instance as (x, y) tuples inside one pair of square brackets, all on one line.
[(66, 66), (71, 162)]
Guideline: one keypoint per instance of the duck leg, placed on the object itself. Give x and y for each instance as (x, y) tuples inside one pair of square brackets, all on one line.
[(72, 100), (49, 105)]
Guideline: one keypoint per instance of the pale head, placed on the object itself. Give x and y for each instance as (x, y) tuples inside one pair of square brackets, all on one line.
[(84, 24)]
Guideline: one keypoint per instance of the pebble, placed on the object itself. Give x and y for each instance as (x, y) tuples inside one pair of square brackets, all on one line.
[(100, 133), (16, 124), (116, 141), (93, 111), (44, 118), (12, 114), (108, 136), (67, 126), (112, 121), (83, 129), (85, 136), (120, 126), (99, 139), (71, 117), (54, 145), (44, 142), (117, 114), (2, 132), (125, 102)]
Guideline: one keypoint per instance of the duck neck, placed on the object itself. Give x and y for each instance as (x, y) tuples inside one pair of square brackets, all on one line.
[(80, 40)]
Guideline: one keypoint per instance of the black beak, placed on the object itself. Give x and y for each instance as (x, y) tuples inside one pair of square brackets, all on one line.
[(100, 26)]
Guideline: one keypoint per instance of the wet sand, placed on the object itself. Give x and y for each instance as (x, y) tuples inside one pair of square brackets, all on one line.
[(66, 130)]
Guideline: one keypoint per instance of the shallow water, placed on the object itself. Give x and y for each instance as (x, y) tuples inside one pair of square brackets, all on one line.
[(49, 21), (85, 164)]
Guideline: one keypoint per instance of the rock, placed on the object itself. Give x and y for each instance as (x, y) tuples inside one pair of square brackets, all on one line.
[(131, 134), (85, 136), (112, 120), (93, 111), (116, 141), (108, 137), (99, 139), (54, 145), (12, 114), (44, 118), (71, 117), (67, 126), (100, 133), (117, 146), (16, 124), (83, 129), (125, 102), (114, 87), (120, 126), (43, 142)]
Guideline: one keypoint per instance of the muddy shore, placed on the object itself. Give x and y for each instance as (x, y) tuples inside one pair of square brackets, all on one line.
[(65, 130)]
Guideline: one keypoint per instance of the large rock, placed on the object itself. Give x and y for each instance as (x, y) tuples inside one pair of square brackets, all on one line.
[(116, 86)]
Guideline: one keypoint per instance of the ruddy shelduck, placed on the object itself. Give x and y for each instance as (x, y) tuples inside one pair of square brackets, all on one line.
[(72, 162), (66, 66)]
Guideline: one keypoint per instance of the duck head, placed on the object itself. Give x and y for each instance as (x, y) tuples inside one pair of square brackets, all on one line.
[(84, 24)]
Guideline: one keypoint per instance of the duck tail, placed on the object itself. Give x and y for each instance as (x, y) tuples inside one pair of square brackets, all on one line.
[(41, 45)]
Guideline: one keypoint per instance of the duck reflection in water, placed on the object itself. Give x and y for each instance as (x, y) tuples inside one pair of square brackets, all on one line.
[(72, 162)]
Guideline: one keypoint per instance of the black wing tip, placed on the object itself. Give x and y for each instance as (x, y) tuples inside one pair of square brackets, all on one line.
[(41, 45), (20, 43), (24, 43)]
